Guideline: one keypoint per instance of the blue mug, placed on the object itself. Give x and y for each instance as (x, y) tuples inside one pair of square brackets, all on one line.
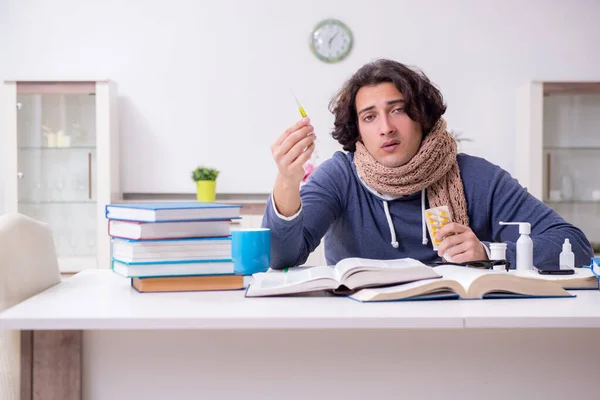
[(250, 250)]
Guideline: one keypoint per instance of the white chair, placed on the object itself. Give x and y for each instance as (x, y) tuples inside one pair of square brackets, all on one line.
[(28, 265)]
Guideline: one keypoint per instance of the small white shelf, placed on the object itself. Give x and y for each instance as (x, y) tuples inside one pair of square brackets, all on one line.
[(67, 187), (34, 148), (572, 148), (557, 148)]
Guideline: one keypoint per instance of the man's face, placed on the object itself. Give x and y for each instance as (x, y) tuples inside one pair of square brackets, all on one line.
[(387, 132)]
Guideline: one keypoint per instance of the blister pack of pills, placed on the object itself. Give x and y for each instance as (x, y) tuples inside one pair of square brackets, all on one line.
[(435, 219)]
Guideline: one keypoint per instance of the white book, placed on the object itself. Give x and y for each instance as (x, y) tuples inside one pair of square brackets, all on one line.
[(346, 276), (168, 230), (171, 249)]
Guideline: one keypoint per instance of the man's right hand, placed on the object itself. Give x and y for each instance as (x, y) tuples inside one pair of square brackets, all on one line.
[(292, 150)]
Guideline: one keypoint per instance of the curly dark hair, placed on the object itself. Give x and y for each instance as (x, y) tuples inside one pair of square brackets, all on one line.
[(424, 102)]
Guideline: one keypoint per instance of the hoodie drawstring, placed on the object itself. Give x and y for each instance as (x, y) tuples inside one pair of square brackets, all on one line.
[(425, 241), (391, 224)]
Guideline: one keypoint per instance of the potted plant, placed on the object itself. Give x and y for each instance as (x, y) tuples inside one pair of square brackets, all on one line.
[(206, 183)]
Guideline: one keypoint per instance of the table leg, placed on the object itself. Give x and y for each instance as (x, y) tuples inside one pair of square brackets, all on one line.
[(51, 365), (26, 364)]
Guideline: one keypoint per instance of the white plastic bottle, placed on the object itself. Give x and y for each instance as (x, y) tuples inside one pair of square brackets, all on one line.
[(524, 245), (567, 258), (498, 251)]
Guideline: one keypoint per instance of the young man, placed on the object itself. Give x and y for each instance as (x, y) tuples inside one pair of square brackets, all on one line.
[(400, 160)]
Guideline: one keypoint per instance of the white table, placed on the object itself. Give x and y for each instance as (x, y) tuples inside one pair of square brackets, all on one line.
[(222, 345)]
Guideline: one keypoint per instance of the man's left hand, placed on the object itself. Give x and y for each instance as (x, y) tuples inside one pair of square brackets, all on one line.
[(459, 244)]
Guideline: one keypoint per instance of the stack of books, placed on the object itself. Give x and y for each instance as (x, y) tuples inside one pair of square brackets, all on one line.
[(172, 247)]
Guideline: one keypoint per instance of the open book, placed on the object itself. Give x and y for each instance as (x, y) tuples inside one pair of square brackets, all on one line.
[(471, 283), (346, 276)]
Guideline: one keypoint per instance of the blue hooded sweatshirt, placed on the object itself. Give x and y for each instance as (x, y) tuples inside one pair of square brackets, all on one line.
[(355, 221)]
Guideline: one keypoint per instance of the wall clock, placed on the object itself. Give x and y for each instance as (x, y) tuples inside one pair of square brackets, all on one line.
[(331, 41)]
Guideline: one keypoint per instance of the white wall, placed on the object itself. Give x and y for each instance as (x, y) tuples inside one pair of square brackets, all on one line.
[(3, 57), (209, 82)]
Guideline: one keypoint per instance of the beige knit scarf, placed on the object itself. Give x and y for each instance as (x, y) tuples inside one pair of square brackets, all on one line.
[(434, 168)]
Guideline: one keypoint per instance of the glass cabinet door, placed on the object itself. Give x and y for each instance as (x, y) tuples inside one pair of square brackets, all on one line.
[(571, 140), (56, 156)]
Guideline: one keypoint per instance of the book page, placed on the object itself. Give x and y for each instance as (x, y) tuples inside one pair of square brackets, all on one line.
[(405, 287), (463, 275), (349, 266), (440, 288), (298, 276), (483, 282), (274, 282)]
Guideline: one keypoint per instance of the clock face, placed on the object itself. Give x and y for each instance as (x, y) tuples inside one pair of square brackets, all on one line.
[(331, 41)]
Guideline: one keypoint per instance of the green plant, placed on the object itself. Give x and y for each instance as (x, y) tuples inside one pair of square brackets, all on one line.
[(204, 174)]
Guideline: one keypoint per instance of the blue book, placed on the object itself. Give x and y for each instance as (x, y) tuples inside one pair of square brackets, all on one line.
[(468, 283), (172, 211), (435, 296)]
